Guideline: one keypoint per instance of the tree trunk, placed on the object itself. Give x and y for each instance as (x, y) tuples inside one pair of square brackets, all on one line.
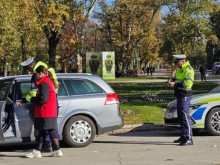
[(80, 49), (53, 38), (23, 52), (80, 35), (52, 53), (5, 66), (23, 48)]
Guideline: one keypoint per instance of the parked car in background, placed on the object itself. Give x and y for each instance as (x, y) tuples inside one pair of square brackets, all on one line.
[(216, 68), (88, 106), (204, 112)]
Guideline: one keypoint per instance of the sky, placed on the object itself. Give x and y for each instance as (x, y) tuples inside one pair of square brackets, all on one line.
[(164, 10)]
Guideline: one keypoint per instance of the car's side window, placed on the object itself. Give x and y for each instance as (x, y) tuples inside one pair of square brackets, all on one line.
[(78, 87), (61, 90), (22, 89)]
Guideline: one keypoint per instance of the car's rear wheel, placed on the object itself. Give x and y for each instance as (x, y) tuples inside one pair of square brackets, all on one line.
[(79, 131), (212, 124)]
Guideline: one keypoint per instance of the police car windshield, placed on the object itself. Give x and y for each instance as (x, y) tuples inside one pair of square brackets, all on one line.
[(215, 90)]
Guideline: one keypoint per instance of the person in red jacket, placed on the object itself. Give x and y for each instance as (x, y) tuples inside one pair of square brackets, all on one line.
[(45, 113)]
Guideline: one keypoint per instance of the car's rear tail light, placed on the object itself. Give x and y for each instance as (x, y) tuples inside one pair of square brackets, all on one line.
[(111, 98)]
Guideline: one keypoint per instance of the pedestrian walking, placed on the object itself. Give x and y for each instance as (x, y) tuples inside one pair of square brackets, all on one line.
[(182, 85), (148, 70), (203, 72), (45, 113), (151, 70)]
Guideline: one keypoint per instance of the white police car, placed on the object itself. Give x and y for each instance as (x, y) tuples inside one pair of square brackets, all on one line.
[(204, 112)]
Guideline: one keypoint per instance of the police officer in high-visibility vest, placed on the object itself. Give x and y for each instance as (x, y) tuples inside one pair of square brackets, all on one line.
[(31, 66), (182, 84)]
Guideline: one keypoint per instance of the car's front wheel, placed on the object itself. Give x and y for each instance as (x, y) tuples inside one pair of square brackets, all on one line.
[(79, 131), (212, 124)]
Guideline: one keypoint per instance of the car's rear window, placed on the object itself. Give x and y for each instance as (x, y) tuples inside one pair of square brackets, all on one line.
[(78, 87)]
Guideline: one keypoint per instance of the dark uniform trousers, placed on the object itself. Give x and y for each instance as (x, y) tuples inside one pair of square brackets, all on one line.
[(183, 104)]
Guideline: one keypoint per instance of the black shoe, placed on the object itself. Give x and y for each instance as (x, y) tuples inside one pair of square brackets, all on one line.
[(179, 140), (186, 143)]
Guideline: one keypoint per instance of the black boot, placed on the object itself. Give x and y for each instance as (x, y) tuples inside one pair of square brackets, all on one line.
[(179, 140), (186, 142)]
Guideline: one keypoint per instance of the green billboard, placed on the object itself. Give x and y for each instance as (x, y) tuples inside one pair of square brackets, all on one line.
[(101, 63), (93, 63), (108, 65)]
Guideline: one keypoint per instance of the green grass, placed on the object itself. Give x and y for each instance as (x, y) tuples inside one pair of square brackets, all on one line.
[(138, 104), (134, 79)]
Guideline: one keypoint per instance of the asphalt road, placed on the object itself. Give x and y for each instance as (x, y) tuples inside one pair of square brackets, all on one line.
[(131, 148)]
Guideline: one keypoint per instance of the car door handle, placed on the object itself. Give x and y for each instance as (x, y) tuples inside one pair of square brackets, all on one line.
[(60, 105)]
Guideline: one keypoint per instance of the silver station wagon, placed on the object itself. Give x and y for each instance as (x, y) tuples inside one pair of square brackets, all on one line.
[(88, 106)]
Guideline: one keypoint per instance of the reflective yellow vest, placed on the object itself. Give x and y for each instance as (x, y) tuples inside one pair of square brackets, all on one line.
[(52, 71), (38, 64), (184, 80)]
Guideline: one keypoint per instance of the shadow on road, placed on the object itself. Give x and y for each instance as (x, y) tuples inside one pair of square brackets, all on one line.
[(175, 133), (155, 131), (136, 142), (2, 156)]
